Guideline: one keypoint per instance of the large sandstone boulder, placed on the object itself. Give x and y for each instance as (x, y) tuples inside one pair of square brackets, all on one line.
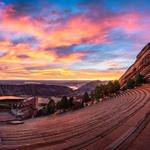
[(142, 65)]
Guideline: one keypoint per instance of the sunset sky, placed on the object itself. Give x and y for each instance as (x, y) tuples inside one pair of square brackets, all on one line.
[(71, 39)]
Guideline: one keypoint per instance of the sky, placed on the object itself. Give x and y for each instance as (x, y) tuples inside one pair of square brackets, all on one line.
[(71, 39)]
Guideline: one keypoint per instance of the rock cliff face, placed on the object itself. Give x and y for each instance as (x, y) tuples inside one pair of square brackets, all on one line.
[(35, 90), (142, 65)]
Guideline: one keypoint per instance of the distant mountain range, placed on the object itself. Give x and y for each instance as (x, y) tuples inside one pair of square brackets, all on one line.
[(68, 83), (88, 87), (35, 90), (60, 88), (141, 65)]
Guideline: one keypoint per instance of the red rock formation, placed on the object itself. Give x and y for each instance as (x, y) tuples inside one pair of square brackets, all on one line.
[(142, 65)]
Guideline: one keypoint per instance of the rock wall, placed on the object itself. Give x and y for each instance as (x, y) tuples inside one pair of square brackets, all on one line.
[(142, 65)]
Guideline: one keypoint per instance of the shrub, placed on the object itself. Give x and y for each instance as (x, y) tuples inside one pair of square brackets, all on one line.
[(130, 84), (139, 79)]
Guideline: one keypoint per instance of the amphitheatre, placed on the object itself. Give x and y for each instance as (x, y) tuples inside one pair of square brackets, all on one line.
[(119, 123)]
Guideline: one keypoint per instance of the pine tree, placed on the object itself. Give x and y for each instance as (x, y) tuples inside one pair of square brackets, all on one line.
[(51, 106), (64, 103), (116, 86), (98, 92), (70, 102), (85, 97), (110, 87), (93, 95)]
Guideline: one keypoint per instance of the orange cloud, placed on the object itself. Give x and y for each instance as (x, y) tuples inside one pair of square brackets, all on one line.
[(62, 74), (13, 66), (71, 58), (34, 56)]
